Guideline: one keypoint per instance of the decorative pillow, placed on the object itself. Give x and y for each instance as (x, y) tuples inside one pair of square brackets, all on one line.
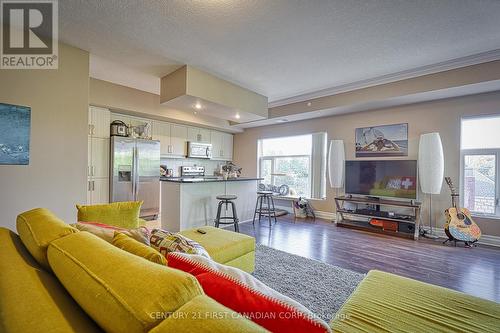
[(245, 294), (127, 243), (165, 241), (119, 214), (107, 232), (37, 228)]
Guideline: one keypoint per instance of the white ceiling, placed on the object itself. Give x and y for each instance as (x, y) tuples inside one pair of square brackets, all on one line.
[(280, 48)]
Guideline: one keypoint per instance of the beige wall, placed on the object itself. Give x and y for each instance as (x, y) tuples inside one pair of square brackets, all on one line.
[(438, 116), (56, 175)]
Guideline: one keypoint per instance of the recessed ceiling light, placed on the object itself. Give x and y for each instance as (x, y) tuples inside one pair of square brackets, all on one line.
[(309, 103), (195, 113), (237, 116), (284, 120), (197, 106)]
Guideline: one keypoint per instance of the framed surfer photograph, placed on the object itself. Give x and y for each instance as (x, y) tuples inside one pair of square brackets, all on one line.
[(382, 141), (15, 124)]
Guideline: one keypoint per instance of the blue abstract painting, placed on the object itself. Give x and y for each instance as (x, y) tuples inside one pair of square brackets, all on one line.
[(15, 123)]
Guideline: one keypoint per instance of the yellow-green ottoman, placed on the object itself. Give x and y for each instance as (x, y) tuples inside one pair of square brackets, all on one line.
[(385, 302), (226, 247)]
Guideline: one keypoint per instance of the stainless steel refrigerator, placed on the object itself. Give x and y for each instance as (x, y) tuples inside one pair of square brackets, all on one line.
[(135, 169)]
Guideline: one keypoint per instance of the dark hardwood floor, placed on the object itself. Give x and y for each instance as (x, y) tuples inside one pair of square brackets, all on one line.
[(475, 271)]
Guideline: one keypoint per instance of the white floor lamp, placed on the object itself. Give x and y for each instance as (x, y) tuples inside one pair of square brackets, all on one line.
[(336, 161), (430, 169)]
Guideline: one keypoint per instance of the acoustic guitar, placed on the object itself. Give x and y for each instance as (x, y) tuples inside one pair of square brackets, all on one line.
[(459, 224)]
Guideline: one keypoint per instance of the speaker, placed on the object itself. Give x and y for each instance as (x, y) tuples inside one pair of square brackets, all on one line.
[(336, 161)]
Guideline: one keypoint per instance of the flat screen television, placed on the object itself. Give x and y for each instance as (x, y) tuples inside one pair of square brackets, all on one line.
[(387, 178)]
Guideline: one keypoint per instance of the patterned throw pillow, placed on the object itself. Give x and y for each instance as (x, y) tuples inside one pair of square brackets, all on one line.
[(107, 232), (165, 241)]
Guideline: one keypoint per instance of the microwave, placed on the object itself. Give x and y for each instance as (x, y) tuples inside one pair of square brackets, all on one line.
[(199, 150)]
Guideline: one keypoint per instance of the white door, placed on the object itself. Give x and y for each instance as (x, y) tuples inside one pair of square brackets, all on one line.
[(99, 122), (100, 158), (178, 139), (216, 139), (161, 132), (227, 146)]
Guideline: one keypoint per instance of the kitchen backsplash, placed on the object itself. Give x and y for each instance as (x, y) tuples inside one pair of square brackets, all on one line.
[(176, 163)]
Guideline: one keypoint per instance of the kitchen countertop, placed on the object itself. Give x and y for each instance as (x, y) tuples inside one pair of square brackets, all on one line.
[(205, 180)]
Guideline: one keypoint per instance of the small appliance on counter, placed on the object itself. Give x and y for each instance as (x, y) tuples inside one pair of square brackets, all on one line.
[(199, 150), (118, 128)]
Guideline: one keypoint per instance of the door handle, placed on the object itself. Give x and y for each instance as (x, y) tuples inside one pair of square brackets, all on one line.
[(93, 170), (92, 129), (89, 186), (93, 186)]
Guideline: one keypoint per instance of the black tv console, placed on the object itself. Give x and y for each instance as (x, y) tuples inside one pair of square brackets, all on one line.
[(360, 217)]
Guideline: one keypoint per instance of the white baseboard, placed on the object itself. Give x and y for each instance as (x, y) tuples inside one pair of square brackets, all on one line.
[(484, 240)]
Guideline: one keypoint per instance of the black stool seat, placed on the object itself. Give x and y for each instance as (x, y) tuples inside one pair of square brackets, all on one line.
[(226, 197)]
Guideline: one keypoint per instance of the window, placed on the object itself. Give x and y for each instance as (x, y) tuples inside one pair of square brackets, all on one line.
[(480, 154), (296, 161)]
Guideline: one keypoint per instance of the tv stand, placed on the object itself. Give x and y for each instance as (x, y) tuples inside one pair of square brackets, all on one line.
[(404, 225)]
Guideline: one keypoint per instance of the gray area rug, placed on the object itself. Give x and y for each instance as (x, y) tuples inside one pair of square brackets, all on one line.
[(320, 287)]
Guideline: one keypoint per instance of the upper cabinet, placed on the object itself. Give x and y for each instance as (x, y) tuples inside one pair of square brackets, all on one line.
[(99, 119), (173, 138), (196, 134), (222, 146), (178, 139)]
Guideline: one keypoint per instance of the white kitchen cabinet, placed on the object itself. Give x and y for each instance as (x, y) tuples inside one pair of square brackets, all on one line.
[(222, 146), (98, 191), (100, 158), (178, 139), (99, 120), (196, 134), (227, 146), (161, 132), (172, 138), (216, 140)]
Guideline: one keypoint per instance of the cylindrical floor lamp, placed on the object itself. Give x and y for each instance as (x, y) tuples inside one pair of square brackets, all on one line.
[(336, 161), (430, 169)]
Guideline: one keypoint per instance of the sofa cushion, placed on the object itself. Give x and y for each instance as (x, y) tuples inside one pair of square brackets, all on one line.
[(166, 241), (385, 302), (119, 290), (119, 214), (245, 294), (107, 232), (37, 228), (31, 299), (203, 314), (127, 243), (222, 245)]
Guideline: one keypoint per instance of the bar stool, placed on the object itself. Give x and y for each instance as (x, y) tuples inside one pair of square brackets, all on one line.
[(227, 199), (270, 210)]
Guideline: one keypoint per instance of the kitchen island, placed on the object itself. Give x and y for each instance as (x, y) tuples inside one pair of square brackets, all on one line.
[(191, 202)]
